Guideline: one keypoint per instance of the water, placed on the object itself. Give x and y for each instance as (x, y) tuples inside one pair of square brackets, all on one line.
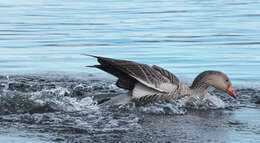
[(52, 96), (63, 108)]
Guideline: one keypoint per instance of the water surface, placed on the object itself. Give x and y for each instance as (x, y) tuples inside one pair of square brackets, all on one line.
[(183, 36), (47, 95)]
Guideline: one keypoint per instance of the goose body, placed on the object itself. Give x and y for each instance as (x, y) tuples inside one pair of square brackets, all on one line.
[(148, 83)]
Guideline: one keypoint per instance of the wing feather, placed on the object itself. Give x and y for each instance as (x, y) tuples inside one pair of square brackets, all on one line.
[(130, 73)]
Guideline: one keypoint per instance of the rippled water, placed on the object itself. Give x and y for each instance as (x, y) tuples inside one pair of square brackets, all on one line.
[(47, 95), (183, 36)]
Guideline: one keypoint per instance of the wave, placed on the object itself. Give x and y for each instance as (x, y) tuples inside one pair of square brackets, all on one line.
[(40, 94)]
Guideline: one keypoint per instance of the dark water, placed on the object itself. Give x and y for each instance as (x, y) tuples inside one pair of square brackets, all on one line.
[(47, 95), (62, 108)]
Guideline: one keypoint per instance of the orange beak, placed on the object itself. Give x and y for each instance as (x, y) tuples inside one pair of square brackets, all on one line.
[(231, 92)]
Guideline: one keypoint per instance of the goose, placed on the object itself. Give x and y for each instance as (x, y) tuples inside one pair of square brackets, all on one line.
[(150, 83)]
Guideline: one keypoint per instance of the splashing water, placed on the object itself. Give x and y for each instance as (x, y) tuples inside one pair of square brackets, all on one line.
[(204, 102), (64, 109)]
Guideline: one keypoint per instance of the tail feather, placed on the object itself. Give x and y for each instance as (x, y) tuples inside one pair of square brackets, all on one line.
[(108, 65), (90, 55), (93, 66)]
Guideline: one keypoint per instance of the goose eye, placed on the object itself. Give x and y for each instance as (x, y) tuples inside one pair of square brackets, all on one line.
[(226, 80)]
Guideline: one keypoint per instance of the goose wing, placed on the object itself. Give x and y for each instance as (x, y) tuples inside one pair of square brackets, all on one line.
[(129, 73)]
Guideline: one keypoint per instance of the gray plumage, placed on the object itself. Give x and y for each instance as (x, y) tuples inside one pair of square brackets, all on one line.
[(149, 83)]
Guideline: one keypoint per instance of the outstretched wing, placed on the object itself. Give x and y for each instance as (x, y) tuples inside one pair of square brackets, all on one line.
[(129, 73)]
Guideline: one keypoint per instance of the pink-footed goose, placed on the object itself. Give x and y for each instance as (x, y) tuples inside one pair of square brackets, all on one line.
[(147, 83)]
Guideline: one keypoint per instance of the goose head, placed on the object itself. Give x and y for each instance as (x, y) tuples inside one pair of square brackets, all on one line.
[(217, 79)]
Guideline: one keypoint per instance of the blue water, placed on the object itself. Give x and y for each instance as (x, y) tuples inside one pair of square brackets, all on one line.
[(184, 36)]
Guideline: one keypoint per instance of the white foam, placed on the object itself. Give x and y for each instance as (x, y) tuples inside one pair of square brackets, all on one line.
[(204, 102), (58, 101)]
